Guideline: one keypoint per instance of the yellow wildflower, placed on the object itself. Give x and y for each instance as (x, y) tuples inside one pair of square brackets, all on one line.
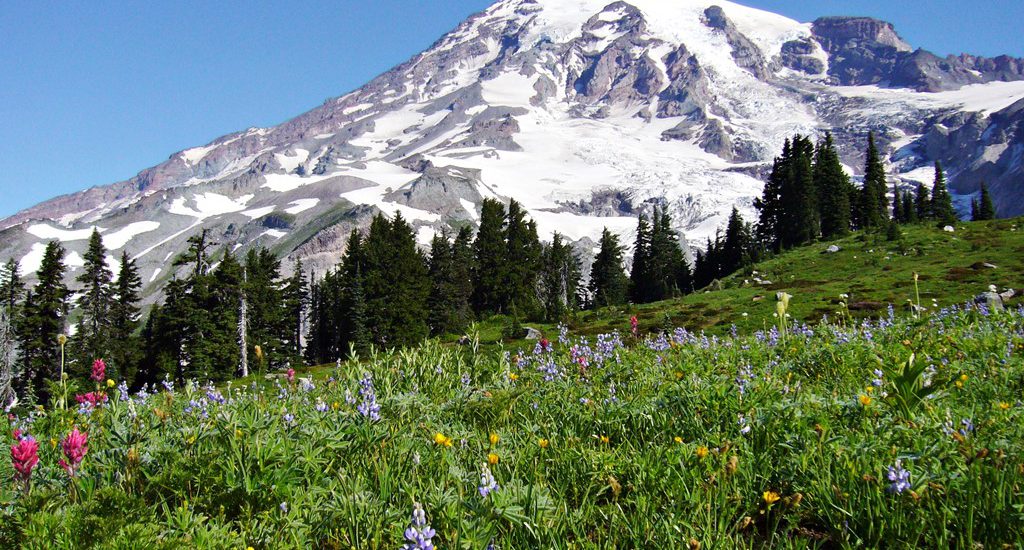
[(335, 405), (865, 400), (492, 459), (770, 497), (513, 376), (1004, 406), (678, 440), (494, 439), (111, 383), (605, 439), (543, 443), (442, 440), (702, 452)]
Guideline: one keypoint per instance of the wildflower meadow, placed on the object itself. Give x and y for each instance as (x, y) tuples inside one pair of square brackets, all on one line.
[(903, 431)]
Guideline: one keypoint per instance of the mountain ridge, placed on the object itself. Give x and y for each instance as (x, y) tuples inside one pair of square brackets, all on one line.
[(586, 111)]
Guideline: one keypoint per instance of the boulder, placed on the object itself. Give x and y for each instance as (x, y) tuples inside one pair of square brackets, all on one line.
[(949, 229), (833, 249), (992, 300), (533, 334)]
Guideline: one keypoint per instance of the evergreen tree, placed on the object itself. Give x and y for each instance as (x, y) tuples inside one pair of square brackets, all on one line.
[(898, 214), (609, 285), (738, 247), (359, 336), (986, 209), (220, 345), (941, 202), (44, 320), (12, 288), (396, 283), (442, 281), (667, 261), (489, 259), (800, 223), (92, 340), (125, 351), (267, 326), (874, 206), (559, 279), (909, 209), (462, 285), (975, 210), (8, 359), (922, 203), (641, 276), (834, 190), (771, 211), (296, 302), (522, 261)]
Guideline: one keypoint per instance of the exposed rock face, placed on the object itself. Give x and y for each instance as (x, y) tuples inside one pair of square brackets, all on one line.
[(444, 191), (585, 111), (746, 54), (868, 51)]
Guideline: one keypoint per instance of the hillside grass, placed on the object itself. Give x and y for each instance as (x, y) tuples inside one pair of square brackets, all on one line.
[(872, 271)]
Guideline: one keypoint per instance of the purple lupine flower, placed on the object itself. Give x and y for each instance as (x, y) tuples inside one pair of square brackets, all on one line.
[(168, 385), (369, 407), (419, 534), (967, 427), (466, 380), (899, 477), (321, 406), (487, 482)]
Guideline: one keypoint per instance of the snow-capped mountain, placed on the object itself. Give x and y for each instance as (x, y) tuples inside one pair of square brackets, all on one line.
[(585, 111)]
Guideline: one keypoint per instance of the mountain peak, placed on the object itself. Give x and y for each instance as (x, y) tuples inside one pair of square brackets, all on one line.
[(584, 111)]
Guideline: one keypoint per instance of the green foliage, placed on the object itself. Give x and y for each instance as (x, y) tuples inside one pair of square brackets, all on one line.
[(941, 205), (609, 284), (873, 206), (734, 442)]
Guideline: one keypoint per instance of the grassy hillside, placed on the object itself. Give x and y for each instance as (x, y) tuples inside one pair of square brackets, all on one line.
[(904, 433), (871, 270)]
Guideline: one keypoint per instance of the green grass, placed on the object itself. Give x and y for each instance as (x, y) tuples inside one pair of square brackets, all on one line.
[(653, 443), (870, 270)]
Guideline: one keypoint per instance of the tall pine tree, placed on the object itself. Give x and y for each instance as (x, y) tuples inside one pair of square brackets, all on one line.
[(941, 202), (125, 354), (92, 341), (986, 209), (873, 208), (489, 259), (609, 285), (44, 319), (559, 279), (641, 276), (834, 190)]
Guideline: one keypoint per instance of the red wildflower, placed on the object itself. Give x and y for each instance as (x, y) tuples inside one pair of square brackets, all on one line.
[(74, 447), (99, 370), (25, 456), (92, 398), (291, 375), (634, 325)]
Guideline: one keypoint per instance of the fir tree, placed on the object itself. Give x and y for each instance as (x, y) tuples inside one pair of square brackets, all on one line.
[(874, 206), (975, 210), (909, 209), (12, 288), (125, 353), (834, 190), (941, 202), (442, 281), (359, 337), (220, 345), (396, 283), (522, 261), (462, 284), (609, 285), (986, 209), (769, 206), (800, 223), (559, 279), (264, 299), (295, 297), (738, 247), (641, 276), (8, 358), (44, 318), (489, 259), (92, 340), (667, 261), (922, 203)]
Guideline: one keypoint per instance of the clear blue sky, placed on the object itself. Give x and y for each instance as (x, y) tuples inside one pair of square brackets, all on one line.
[(94, 91)]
